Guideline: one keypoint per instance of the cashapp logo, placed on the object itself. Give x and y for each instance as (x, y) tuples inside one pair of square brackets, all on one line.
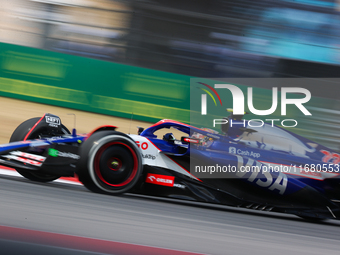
[(232, 150)]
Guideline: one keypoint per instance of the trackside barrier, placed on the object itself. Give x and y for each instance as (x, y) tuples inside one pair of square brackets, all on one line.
[(92, 85)]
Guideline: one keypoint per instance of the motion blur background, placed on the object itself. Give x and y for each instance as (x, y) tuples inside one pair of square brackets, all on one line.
[(201, 38), (195, 38)]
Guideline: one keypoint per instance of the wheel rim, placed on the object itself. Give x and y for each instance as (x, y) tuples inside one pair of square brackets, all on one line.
[(116, 164)]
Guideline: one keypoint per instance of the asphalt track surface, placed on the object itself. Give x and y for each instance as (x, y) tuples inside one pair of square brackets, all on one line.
[(63, 218)]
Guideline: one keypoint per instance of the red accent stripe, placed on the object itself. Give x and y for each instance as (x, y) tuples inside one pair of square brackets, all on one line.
[(83, 243), (152, 143), (71, 179), (98, 128), (303, 176), (208, 86), (293, 166), (29, 132), (177, 122), (7, 168), (190, 140), (169, 121)]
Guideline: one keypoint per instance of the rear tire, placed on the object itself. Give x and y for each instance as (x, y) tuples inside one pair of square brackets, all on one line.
[(110, 162), (19, 134)]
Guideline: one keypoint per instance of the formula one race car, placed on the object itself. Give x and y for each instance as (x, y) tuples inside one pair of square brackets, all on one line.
[(265, 168)]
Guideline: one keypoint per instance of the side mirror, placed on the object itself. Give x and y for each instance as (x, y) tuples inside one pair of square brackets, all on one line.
[(187, 140), (140, 130)]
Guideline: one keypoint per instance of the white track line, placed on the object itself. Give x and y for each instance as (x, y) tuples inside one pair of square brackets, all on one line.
[(16, 174)]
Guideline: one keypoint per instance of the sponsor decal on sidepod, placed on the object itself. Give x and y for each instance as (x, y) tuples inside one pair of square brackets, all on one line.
[(159, 179)]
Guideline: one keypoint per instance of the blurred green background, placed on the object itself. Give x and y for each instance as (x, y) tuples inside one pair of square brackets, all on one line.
[(125, 58)]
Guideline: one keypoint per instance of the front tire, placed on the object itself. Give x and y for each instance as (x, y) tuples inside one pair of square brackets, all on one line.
[(110, 162), (20, 133)]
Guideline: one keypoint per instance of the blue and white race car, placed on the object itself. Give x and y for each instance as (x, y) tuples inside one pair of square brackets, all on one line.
[(265, 168)]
